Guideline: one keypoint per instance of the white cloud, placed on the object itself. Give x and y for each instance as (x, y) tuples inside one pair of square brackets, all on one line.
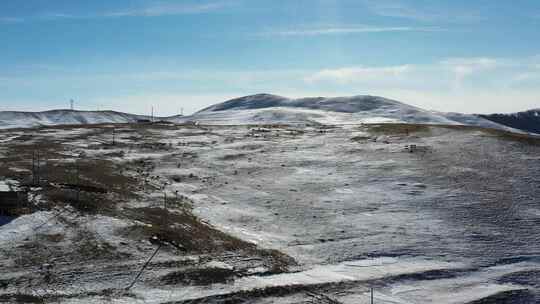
[(475, 63), (449, 73), (463, 67), (349, 75), (344, 30), (528, 76), (478, 84)]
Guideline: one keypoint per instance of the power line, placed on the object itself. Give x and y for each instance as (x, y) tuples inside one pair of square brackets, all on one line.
[(144, 267)]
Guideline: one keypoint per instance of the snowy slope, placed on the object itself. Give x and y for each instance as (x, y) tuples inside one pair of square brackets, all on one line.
[(474, 120), (12, 119), (266, 108)]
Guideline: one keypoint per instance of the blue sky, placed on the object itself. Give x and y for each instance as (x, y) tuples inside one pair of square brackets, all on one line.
[(456, 55)]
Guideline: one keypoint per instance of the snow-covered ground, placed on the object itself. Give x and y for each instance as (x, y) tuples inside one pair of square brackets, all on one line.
[(453, 220)]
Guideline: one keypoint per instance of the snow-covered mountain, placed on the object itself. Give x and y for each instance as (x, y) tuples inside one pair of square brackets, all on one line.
[(267, 108), (528, 121)]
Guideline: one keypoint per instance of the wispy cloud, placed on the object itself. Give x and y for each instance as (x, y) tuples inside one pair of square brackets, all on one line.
[(349, 75), (464, 67), (448, 74), (423, 13), (474, 84), (150, 10), (347, 30), (54, 16), (11, 19), (397, 9), (164, 9)]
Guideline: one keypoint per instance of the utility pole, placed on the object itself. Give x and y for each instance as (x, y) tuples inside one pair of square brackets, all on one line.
[(33, 167), (113, 136), (164, 200), (371, 295), (71, 102), (181, 111), (166, 213), (77, 180), (152, 115), (38, 182)]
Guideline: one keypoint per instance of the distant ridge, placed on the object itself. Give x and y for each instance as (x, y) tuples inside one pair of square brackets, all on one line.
[(268, 108), (528, 121), (19, 119), (351, 104), (265, 109)]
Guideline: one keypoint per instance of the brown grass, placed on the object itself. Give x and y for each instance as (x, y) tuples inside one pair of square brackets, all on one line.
[(90, 248), (85, 202), (91, 172), (397, 129), (360, 138), (500, 134), (515, 137), (202, 276), (186, 231)]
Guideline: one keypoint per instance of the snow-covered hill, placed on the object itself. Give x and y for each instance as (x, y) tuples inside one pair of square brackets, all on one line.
[(266, 108), (12, 119)]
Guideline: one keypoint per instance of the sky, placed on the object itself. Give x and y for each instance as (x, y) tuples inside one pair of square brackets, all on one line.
[(465, 56)]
